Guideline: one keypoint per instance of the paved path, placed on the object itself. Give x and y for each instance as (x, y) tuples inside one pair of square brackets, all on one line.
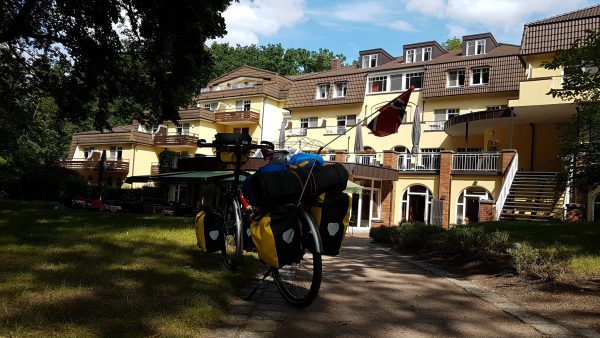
[(370, 292)]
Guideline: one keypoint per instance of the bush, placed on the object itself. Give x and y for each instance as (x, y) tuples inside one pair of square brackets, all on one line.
[(465, 239), (382, 234), (532, 261), (497, 242), (417, 235)]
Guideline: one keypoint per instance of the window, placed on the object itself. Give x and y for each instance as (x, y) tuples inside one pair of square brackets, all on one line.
[(469, 150), (244, 130), (369, 61), (414, 79), (242, 105), (211, 106), (344, 121), (480, 76), (502, 106), (340, 89), (87, 152), (396, 82), (418, 54), (308, 122), (467, 206), (444, 114), (116, 153), (183, 129), (476, 47), (377, 84), (431, 150), (322, 91), (456, 78)]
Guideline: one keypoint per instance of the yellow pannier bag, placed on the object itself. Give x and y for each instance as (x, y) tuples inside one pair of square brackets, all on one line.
[(230, 157), (276, 236), (209, 231), (331, 212)]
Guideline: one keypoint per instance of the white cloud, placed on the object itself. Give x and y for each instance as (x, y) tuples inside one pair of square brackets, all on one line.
[(456, 30), (494, 15), (247, 21), (401, 25)]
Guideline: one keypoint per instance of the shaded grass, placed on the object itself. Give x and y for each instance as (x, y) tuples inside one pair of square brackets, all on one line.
[(577, 244), (81, 273)]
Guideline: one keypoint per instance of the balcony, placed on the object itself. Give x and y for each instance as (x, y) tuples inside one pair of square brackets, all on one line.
[(336, 130), (237, 116), (81, 164), (296, 132), (183, 139), (419, 162), (476, 163), (234, 86)]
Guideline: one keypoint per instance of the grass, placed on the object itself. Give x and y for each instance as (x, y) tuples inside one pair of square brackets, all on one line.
[(72, 273), (577, 244)]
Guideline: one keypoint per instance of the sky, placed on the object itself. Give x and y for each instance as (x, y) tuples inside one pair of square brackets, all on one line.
[(350, 26)]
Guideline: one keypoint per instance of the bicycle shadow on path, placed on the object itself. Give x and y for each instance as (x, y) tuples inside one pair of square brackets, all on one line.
[(368, 293)]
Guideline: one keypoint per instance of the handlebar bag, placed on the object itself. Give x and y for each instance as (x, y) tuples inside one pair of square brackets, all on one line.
[(226, 152), (331, 212), (276, 236), (209, 231)]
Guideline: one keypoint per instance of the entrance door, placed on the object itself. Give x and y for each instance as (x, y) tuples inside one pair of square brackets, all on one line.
[(472, 212)]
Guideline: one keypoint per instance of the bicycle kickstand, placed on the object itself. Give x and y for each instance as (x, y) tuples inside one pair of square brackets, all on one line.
[(267, 273)]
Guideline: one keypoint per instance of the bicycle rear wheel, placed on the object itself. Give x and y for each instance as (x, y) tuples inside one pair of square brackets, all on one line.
[(299, 283), (232, 234)]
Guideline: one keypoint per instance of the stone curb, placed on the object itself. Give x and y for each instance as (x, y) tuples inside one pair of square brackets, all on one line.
[(540, 324)]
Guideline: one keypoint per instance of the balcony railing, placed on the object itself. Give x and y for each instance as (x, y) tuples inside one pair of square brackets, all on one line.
[(237, 115), (373, 159), (81, 164), (296, 132), (234, 86), (486, 162), (419, 162), (335, 130), (176, 139)]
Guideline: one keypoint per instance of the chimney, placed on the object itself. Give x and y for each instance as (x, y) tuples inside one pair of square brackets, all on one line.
[(336, 64)]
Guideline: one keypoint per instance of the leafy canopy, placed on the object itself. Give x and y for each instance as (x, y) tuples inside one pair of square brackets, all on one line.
[(453, 43)]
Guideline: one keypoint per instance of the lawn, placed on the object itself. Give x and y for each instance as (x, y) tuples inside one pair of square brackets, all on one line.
[(579, 243), (69, 273)]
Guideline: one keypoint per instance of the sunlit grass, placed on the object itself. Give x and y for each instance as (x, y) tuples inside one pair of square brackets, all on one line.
[(71, 273), (577, 244)]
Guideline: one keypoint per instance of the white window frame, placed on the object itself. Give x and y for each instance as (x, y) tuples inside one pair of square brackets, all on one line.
[(309, 122), (462, 202), (429, 52), (322, 91), (405, 202), (384, 80), (370, 61), (448, 113), (342, 91), (478, 46), (408, 76), (344, 119), (501, 106), (116, 153), (419, 54), (182, 128), (457, 73), (480, 71), (240, 130), (410, 55), (211, 106), (87, 152)]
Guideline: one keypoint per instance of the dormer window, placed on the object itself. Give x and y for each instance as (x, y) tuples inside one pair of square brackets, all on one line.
[(322, 91), (369, 61), (476, 47), (418, 54), (456, 78), (340, 89), (480, 76)]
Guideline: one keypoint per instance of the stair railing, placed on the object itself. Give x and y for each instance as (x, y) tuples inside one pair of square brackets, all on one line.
[(508, 180)]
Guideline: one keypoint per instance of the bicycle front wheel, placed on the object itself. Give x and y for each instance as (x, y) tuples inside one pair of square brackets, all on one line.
[(299, 283), (232, 234)]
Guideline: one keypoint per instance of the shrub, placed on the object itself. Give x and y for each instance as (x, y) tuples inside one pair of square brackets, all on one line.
[(382, 234), (523, 257), (465, 239), (417, 235), (532, 261), (497, 242)]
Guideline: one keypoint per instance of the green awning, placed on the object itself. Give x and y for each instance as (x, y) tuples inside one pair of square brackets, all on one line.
[(182, 176), (353, 188)]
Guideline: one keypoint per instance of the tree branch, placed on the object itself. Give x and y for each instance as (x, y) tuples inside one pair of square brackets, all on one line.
[(18, 25)]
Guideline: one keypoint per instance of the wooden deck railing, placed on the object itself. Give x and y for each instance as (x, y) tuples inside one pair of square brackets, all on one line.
[(175, 139), (81, 164)]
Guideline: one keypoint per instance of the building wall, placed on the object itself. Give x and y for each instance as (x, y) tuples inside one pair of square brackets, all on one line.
[(271, 118)]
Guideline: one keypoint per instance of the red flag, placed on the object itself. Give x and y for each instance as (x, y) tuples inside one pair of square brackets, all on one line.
[(390, 116)]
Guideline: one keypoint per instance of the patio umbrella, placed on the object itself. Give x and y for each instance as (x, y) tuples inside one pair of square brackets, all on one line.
[(101, 170), (358, 140), (416, 130)]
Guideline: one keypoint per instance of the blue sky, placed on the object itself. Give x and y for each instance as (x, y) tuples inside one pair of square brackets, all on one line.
[(350, 26)]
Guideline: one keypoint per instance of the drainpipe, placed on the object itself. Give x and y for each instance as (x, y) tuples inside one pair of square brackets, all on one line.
[(133, 161), (532, 145)]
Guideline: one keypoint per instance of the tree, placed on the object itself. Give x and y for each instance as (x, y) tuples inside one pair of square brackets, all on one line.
[(101, 58), (453, 43), (580, 138), (273, 57)]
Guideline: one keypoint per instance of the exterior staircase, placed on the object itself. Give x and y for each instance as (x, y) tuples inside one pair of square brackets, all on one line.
[(534, 196)]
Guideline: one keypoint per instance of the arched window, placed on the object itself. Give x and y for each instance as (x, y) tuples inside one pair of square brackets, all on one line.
[(467, 206), (416, 204)]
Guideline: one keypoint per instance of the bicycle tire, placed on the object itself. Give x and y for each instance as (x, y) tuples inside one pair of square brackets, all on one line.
[(232, 235), (299, 283)]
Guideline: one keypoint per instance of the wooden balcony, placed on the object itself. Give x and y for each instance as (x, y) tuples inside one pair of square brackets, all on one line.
[(237, 117), (175, 139), (80, 164)]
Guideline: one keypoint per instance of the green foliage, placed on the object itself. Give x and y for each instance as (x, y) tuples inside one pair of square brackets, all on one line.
[(524, 256), (383, 234), (549, 265), (417, 235), (272, 57), (165, 161), (453, 43), (580, 139), (466, 239)]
